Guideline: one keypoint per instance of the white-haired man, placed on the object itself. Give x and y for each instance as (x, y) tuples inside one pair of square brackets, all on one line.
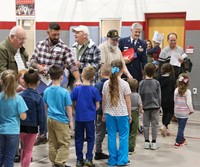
[(12, 53), (87, 52), (136, 66)]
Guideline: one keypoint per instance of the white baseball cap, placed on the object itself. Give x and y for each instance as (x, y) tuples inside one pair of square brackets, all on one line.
[(81, 28)]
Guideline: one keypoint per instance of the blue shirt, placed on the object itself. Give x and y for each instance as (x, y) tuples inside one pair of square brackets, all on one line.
[(57, 99), (10, 110), (85, 98)]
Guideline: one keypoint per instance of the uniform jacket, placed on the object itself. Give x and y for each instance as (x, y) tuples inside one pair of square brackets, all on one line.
[(140, 59)]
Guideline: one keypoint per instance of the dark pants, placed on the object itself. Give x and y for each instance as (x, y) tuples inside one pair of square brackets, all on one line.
[(80, 128), (168, 113), (100, 133), (8, 144)]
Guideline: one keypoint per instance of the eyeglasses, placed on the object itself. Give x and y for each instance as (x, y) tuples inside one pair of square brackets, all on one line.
[(21, 39)]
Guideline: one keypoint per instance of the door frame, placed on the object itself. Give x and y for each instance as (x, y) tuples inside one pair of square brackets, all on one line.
[(34, 32), (107, 19), (163, 16)]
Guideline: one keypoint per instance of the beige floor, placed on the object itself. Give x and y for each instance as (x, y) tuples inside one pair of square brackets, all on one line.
[(165, 156)]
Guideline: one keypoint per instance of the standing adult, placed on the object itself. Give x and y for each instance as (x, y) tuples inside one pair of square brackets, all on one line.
[(88, 54), (136, 66), (110, 50), (50, 51), (14, 57), (12, 53), (172, 54)]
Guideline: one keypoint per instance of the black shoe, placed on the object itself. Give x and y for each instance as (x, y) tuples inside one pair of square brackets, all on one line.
[(101, 155), (17, 158), (41, 140)]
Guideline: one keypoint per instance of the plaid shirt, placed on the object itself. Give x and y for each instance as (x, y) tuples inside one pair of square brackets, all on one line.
[(90, 57), (59, 54)]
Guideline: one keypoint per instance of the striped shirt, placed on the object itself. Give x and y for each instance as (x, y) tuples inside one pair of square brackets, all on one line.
[(183, 104)]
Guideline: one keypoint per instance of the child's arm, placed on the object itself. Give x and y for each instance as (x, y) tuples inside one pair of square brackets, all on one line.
[(22, 116), (140, 108), (189, 101), (69, 114), (103, 108), (128, 104), (97, 105)]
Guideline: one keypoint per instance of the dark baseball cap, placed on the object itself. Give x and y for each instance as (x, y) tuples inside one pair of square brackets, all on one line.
[(113, 34)]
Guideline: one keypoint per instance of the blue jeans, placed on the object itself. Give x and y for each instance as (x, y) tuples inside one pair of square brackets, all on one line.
[(118, 155), (8, 144), (80, 128), (181, 127)]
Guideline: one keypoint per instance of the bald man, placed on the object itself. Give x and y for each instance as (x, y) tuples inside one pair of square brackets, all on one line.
[(12, 53)]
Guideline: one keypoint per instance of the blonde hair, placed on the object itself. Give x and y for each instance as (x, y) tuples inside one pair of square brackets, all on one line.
[(9, 83), (182, 83), (114, 83), (133, 83), (106, 69), (21, 72), (88, 73)]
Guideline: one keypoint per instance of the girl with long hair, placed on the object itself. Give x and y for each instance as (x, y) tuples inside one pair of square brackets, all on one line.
[(116, 106)]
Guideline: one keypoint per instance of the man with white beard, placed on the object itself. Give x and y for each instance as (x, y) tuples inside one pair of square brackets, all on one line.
[(110, 51)]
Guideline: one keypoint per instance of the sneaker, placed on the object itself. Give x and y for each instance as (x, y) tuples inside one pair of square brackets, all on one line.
[(56, 165), (17, 158), (89, 163), (131, 151), (147, 145), (163, 130), (40, 140), (177, 145), (154, 146), (168, 132), (79, 163), (127, 164), (184, 141), (101, 155)]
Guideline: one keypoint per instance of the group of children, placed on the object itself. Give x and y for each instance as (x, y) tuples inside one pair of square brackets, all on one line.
[(117, 114)]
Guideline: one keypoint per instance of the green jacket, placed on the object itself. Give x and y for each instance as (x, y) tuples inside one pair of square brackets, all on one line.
[(7, 53)]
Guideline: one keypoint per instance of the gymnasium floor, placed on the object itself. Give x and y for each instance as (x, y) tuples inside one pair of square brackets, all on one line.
[(165, 156)]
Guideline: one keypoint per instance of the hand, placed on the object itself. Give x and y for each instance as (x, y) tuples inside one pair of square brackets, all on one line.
[(78, 64), (20, 88), (191, 112), (103, 118), (180, 60), (77, 83), (126, 59), (41, 69), (71, 125), (130, 119)]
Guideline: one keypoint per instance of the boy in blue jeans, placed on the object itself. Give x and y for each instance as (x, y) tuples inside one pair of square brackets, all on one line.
[(58, 103), (86, 100)]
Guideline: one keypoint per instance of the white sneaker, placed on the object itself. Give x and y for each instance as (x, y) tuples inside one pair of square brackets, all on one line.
[(147, 145), (154, 146)]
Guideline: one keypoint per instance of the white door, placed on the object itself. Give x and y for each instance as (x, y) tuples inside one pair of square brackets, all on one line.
[(29, 26), (106, 25)]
